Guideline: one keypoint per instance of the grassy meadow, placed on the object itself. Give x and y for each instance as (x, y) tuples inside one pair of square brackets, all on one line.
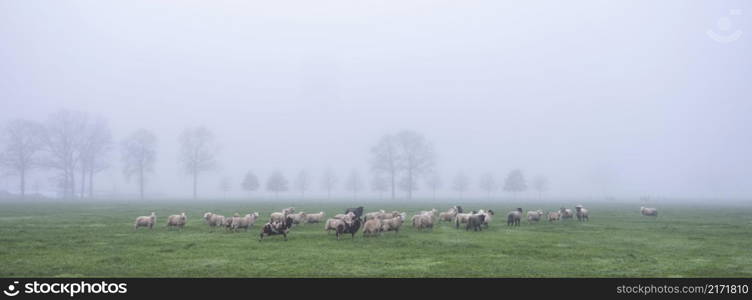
[(97, 239)]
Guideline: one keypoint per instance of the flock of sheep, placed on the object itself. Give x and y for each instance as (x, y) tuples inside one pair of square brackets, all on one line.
[(373, 223)]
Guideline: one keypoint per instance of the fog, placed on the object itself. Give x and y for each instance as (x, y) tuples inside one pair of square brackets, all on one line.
[(605, 98)]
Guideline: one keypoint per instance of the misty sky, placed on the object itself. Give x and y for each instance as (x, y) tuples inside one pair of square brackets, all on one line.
[(623, 98)]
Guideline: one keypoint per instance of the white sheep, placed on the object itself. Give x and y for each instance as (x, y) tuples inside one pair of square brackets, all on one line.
[(374, 215), (281, 216), (331, 224), (422, 221), (315, 218), (177, 221), (244, 222), (534, 215), (298, 218), (461, 218), (145, 221), (449, 214), (565, 213), (372, 227), (229, 221), (648, 211), (392, 224), (582, 213), (214, 220)]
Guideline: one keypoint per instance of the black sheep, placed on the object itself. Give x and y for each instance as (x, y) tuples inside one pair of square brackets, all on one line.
[(350, 226), (357, 211), (275, 228), (475, 222), (513, 218)]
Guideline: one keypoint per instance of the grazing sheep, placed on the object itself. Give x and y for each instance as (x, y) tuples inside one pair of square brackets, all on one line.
[(513, 217), (350, 224), (281, 216), (339, 216), (392, 224), (566, 213), (276, 217), (245, 222), (275, 228), (331, 224), (461, 218), (298, 218), (314, 218), (372, 227), (229, 221), (475, 222), (381, 215), (177, 221), (450, 214), (422, 221), (375, 215), (446, 216), (648, 211), (432, 213), (220, 220), (534, 216), (424, 218), (145, 221), (554, 216), (582, 213), (215, 220), (487, 217)]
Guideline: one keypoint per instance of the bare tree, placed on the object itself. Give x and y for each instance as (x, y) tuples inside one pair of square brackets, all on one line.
[(354, 183), (380, 185), (515, 182), (385, 160), (415, 158), (139, 152), (302, 182), (23, 142), (277, 183), (540, 185), (406, 185), (328, 181), (434, 183), (461, 183), (488, 184), (63, 139), (225, 185), (197, 152), (95, 145), (250, 182)]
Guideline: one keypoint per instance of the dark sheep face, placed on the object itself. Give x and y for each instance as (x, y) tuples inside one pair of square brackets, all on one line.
[(357, 211), (288, 222)]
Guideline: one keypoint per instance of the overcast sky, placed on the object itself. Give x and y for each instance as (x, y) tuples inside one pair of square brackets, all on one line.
[(622, 98)]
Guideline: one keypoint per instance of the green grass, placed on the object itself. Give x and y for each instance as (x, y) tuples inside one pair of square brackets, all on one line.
[(97, 239)]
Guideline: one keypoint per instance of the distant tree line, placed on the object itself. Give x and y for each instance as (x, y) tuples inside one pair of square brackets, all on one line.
[(75, 147)]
